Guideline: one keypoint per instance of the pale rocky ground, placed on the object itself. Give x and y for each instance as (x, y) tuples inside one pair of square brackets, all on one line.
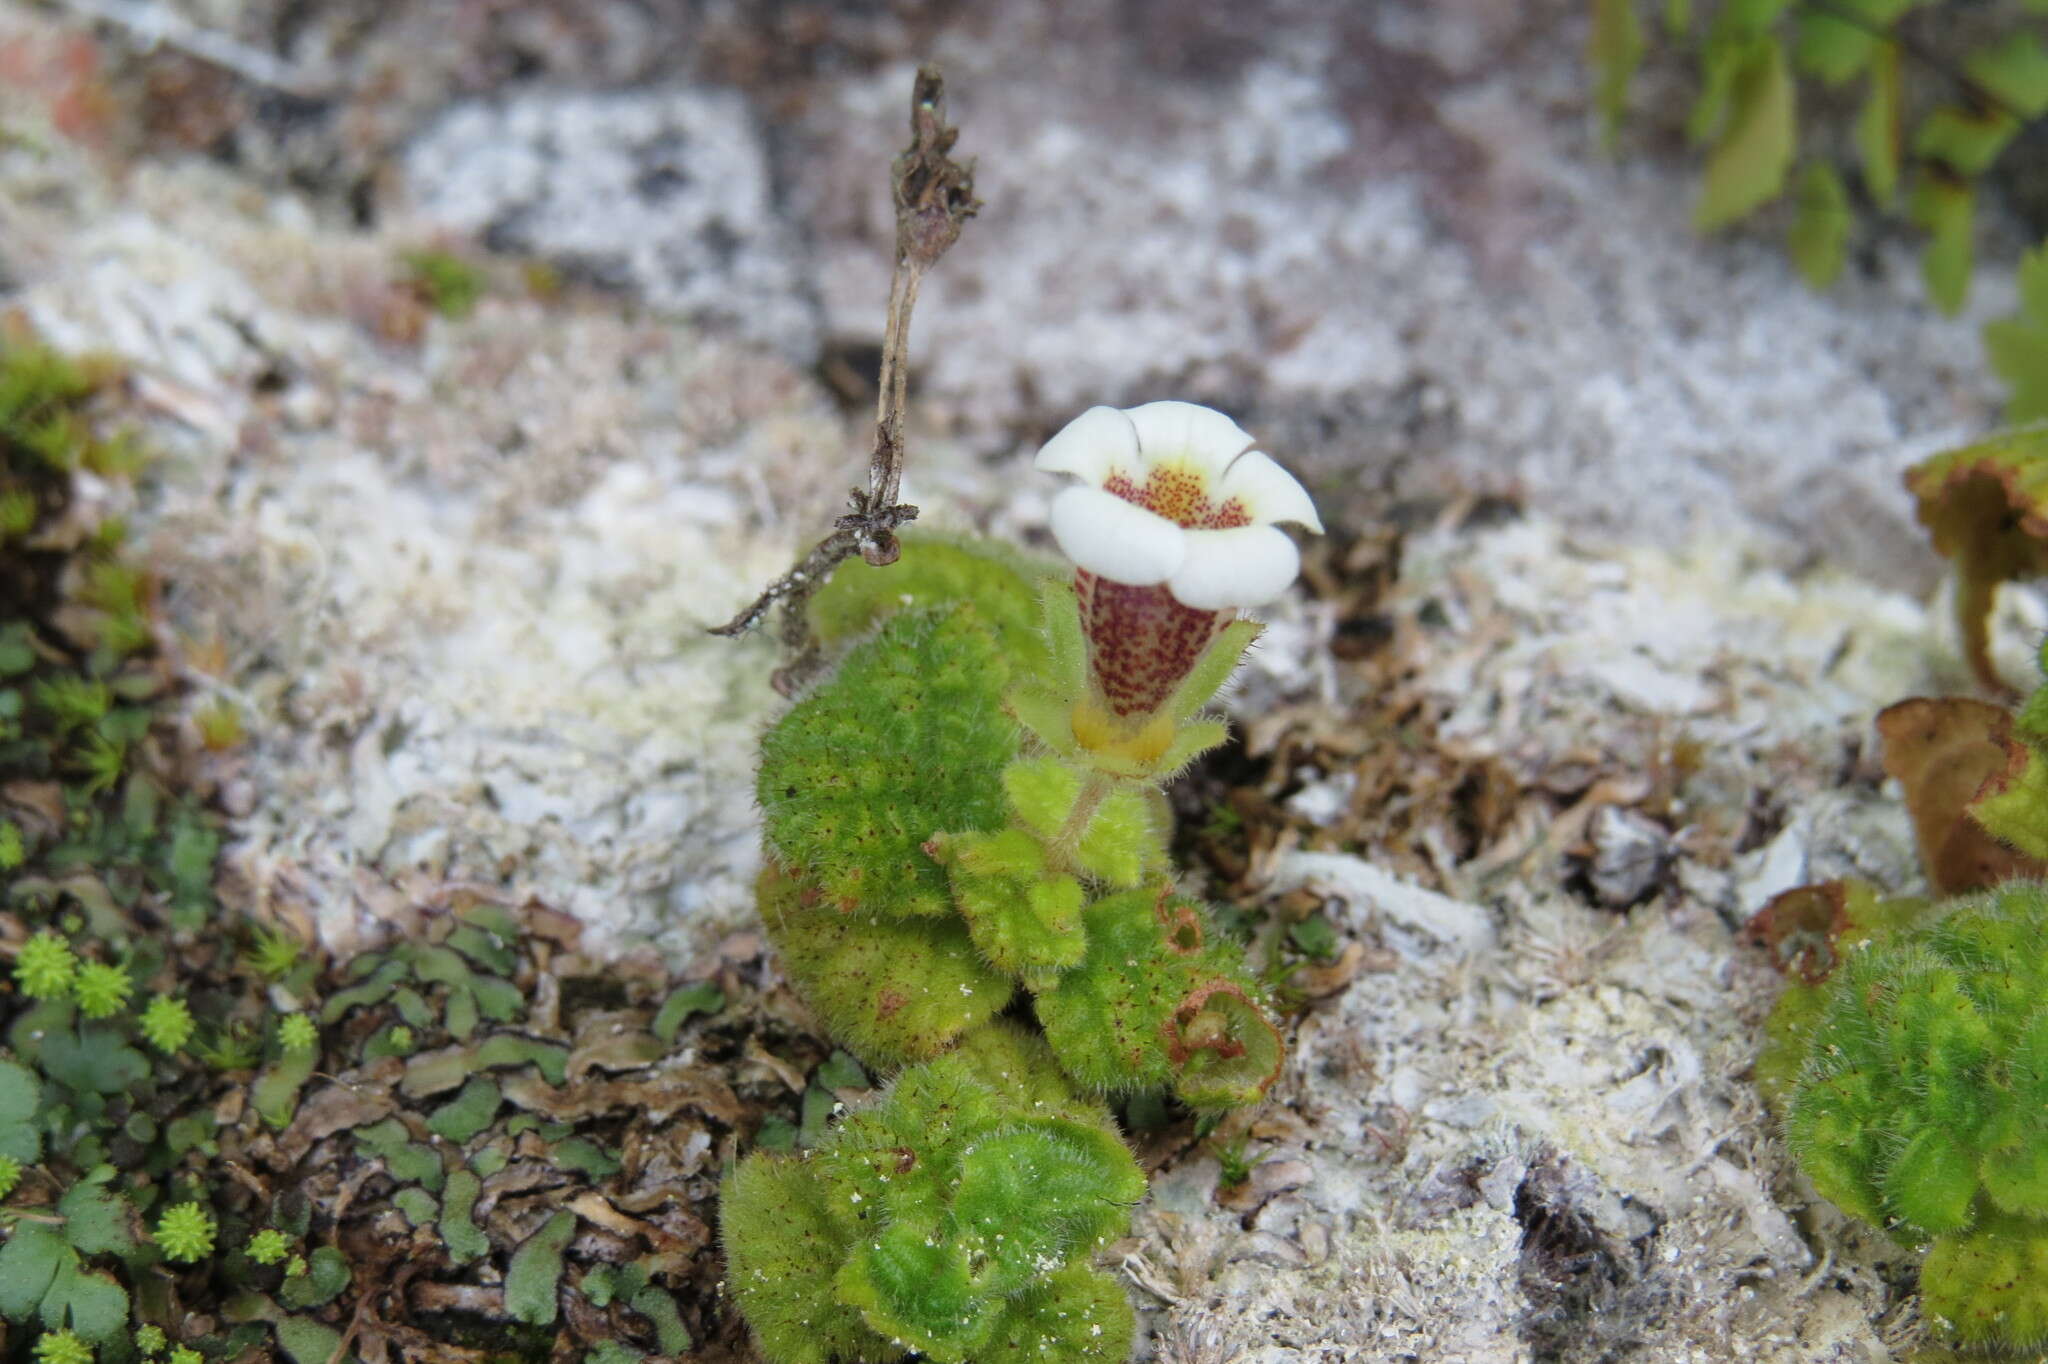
[(460, 585)]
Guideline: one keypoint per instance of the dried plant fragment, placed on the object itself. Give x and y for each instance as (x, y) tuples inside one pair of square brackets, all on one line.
[(1943, 751), (934, 197), (1986, 507)]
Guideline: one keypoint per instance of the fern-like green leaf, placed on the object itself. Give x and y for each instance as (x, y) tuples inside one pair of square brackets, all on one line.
[(1614, 49), (1747, 166), (1877, 125), (1819, 239), (2016, 72), (2018, 345), (1946, 208), (1967, 141)]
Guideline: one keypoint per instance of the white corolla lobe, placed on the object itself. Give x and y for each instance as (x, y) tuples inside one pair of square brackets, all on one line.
[(1173, 493)]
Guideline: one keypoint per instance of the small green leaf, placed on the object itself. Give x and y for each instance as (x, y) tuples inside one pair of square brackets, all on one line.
[(1614, 49), (17, 651), (380, 984), (327, 1274), (96, 1220), (1720, 65), (1749, 18), (1120, 843), (1967, 141), (28, 1263), (701, 997), (275, 1095), (819, 1104), (658, 1307), (306, 1341), (2016, 72), (1946, 208), (417, 1204), (841, 1071), (468, 1113), (1314, 938), (464, 1240), (1212, 669), (1831, 47), (1746, 168), (408, 1160), (585, 1157), (1819, 236), (1041, 792), (499, 1000), (484, 949), (777, 1134), (462, 1014), (89, 1301), (92, 1060), (536, 1269), (441, 966), (20, 1096), (2018, 347)]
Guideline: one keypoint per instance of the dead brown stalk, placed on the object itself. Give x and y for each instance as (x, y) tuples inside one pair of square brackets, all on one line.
[(934, 197)]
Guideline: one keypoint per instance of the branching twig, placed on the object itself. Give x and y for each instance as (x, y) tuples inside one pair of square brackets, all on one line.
[(934, 197)]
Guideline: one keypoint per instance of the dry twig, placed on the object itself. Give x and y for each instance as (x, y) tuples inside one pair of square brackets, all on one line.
[(934, 197)]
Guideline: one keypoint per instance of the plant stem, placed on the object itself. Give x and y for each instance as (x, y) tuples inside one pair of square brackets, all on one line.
[(934, 197)]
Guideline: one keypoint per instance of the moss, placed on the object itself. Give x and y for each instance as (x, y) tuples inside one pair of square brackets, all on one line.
[(445, 282)]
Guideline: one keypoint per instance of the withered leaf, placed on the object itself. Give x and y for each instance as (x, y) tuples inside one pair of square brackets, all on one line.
[(1943, 750), (660, 1094), (1986, 507), (1807, 927), (335, 1108)]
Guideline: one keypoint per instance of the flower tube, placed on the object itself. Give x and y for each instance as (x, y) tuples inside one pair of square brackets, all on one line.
[(1173, 528)]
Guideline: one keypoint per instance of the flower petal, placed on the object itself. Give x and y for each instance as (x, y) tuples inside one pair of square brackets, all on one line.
[(1115, 539), (1188, 433), (1269, 492), (1242, 566), (1091, 446)]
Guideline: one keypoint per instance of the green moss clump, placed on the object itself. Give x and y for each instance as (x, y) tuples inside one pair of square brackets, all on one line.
[(954, 1217), (445, 282), (1921, 1102)]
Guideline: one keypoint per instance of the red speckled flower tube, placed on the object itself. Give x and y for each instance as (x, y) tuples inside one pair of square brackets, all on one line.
[(1171, 530)]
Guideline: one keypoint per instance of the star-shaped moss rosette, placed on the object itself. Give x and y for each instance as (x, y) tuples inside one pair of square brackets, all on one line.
[(1986, 508), (1173, 526)]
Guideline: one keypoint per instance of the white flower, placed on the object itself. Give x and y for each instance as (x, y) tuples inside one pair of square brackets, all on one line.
[(1174, 493)]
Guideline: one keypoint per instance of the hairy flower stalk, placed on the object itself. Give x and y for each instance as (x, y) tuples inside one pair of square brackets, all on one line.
[(1172, 528)]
